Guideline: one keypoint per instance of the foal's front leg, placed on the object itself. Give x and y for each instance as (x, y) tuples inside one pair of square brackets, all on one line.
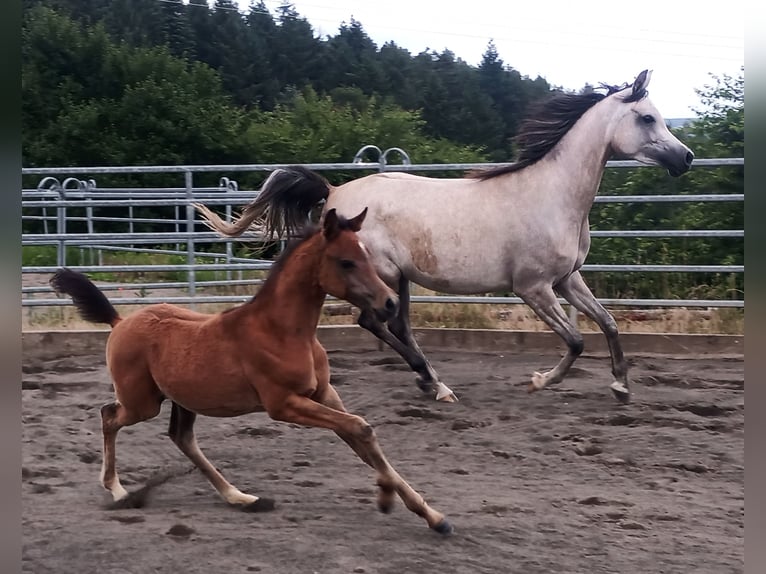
[(328, 396), (361, 437)]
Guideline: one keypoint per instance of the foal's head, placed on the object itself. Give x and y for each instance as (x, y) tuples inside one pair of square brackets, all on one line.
[(346, 271)]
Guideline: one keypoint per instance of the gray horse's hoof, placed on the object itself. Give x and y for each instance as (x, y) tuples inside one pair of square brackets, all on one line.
[(621, 392), (427, 386)]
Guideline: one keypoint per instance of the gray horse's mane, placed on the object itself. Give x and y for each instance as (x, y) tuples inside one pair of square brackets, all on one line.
[(548, 121)]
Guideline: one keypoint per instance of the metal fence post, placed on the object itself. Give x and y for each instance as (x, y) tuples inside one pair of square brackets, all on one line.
[(228, 185), (61, 230), (90, 186), (191, 275)]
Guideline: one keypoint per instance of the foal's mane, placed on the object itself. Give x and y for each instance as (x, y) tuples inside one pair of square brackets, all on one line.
[(547, 122), (305, 233)]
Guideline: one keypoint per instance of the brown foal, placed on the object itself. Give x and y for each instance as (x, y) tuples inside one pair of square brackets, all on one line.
[(262, 355)]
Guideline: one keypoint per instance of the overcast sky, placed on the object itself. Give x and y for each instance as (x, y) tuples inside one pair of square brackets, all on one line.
[(568, 43)]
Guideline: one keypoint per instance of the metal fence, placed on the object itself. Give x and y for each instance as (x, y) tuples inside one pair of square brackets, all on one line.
[(68, 209)]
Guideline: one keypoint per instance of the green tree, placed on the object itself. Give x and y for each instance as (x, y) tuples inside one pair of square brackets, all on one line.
[(265, 86), (351, 60), (315, 128), (398, 72), (296, 53), (92, 101)]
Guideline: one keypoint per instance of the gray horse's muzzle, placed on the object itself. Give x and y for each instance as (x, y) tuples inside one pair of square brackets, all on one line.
[(679, 163)]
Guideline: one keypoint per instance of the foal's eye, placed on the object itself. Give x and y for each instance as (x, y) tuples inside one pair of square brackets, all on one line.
[(347, 264), (647, 119)]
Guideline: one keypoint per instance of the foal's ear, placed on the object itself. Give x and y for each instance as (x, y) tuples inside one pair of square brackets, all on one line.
[(331, 227), (356, 223), (642, 81)]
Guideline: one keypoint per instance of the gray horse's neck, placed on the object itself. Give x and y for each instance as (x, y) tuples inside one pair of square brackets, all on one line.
[(576, 165)]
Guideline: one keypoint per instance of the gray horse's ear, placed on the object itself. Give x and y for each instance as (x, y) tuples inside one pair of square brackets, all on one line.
[(330, 228), (642, 81), (356, 223)]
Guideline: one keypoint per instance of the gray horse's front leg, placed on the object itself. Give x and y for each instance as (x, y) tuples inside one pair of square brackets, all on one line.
[(574, 290), (541, 298), (409, 350)]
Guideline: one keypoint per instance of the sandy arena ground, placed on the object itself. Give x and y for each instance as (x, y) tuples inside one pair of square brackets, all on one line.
[(564, 481)]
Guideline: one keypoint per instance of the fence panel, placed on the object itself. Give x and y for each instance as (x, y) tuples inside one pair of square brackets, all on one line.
[(70, 215)]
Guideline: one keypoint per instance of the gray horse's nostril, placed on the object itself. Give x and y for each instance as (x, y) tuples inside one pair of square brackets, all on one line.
[(689, 158), (390, 304)]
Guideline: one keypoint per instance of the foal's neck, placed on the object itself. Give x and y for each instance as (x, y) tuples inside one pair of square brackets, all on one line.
[(291, 301)]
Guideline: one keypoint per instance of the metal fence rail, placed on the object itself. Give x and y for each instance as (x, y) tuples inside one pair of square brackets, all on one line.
[(58, 208)]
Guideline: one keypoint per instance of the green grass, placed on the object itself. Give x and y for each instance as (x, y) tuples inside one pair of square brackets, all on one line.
[(46, 256), (473, 316)]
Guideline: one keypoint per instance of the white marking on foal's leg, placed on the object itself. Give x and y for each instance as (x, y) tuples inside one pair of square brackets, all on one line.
[(233, 495), (118, 492), (443, 393), (114, 487)]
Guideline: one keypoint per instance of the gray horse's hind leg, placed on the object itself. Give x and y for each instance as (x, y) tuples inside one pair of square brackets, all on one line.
[(544, 303), (574, 290)]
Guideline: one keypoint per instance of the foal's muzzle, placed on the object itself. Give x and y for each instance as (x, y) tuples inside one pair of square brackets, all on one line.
[(388, 310)]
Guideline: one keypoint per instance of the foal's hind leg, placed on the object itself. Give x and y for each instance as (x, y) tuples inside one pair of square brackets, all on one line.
[(114, 416), (574, 290), (544, 303), (181, 431)]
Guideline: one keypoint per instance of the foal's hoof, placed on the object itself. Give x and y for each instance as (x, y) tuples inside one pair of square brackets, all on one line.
[(444, 528), (136, 499), (386, 499), (385, 506), (260, 505), (621, 392)]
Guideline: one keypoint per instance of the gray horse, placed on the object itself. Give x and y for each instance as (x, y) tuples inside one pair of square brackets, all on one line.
[(521, 227)]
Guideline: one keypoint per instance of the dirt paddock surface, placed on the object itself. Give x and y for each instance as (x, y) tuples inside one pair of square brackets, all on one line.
[(565, 480)]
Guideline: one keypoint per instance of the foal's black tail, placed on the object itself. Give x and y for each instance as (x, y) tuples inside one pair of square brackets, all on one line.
[(91, 303), (282, 207)]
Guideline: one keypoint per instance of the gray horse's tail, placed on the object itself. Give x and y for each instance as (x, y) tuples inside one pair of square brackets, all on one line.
[(282, 207), (90, 301)]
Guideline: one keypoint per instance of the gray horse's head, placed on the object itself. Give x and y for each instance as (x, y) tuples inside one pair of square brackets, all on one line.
[(641, 134)]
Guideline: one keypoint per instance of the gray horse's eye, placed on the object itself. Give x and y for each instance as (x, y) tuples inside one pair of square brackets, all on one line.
[(648, 119)]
